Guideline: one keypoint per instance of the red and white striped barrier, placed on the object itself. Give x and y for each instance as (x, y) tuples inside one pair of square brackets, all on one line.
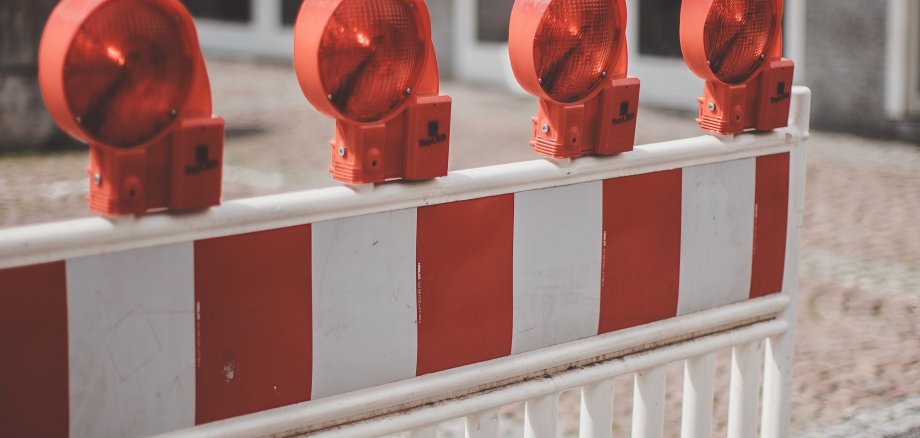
[(143, 326)]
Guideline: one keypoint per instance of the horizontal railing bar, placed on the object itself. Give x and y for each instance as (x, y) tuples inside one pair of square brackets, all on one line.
[(435, 388), (62, 240), (397, 422)]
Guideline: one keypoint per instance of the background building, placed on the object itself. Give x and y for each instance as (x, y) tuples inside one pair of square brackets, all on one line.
[(24, 123), (863, 63), (861, 59)]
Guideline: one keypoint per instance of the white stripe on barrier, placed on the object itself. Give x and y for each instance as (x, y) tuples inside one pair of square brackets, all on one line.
[(363, 339), (557, 265), (131, 324), (717, 235)]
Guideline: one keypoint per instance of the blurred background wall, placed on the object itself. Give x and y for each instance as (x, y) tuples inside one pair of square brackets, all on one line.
[(24, 123), (861, 59), (862, 65)]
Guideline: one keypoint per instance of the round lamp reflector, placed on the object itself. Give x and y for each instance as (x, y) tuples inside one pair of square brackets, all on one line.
[(127, 72), (371, 55), (736, 37), (574, 45)]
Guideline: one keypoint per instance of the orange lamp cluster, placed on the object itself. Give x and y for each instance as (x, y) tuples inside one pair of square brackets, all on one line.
[(128, 78)]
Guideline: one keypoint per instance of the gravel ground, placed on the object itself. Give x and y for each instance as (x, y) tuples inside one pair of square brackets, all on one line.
[(858, 350)]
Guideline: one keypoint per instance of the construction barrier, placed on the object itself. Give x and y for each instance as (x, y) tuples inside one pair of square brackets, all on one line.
[(138, 326)]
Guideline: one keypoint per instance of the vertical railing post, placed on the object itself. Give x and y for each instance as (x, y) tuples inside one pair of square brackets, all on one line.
[(540, 417), (430, 431), (777, 389), (696, 419), (776, 412), (482, 425), (648, 404), (744, 390), (596, 420)]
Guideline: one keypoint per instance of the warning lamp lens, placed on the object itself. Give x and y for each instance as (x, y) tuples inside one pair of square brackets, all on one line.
[(371, 56), (737, 35), (127, 72), (574, 46)]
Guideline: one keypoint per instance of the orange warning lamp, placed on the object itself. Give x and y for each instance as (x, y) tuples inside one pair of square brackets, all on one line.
[(127, 77), (572, 55), (737, 47), (371, 65)]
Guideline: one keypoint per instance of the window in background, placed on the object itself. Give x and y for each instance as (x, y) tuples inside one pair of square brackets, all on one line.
[(659, 28), (289, 10), (492, 19), (237, 11)]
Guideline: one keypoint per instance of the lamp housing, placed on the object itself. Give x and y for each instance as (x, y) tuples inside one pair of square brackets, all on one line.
[(572, 55), (736, 47), (127, 77), (371, 65)]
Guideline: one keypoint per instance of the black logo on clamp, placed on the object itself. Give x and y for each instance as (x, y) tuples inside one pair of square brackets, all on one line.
[(434, 135), (781, 93), (625, 115), (203, 161)]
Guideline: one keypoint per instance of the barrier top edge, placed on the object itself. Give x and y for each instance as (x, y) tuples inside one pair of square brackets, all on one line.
[(49, 242)]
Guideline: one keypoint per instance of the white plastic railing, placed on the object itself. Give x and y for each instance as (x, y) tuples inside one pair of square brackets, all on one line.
[(478, 392), (759, 333)]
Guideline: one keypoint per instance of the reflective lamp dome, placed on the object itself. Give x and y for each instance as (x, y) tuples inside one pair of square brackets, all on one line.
[(371, 56), (127, 72), (737, 36), (574, 45)]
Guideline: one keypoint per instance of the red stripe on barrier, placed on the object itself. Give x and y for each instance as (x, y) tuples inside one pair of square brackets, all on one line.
[(464, 275), (771, 218), (34, 393), (641, 259), (254, 322)]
